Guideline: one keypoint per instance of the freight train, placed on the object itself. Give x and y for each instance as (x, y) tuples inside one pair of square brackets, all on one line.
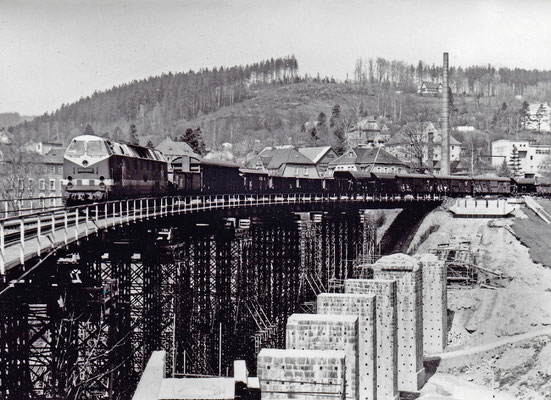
[(99, 169)]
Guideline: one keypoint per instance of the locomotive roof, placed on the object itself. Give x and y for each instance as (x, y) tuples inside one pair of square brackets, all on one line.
[(124, 149)]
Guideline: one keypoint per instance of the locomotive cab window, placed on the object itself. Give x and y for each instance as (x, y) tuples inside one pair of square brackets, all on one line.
[(96, 148), (76, 149)]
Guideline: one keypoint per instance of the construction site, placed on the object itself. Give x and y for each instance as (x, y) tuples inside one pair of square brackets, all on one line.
[(483, 330)]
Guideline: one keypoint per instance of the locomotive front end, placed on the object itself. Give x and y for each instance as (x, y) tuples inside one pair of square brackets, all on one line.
[(86, 173)]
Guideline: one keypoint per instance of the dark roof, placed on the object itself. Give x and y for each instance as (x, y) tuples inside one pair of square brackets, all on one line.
[(252, 171), (421, 176), (431, 85), (375, 155), (314, 153), (352, 174), (220, 163), (287, 156)]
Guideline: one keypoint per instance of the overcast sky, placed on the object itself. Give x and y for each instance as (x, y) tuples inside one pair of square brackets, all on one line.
[(55, 52)]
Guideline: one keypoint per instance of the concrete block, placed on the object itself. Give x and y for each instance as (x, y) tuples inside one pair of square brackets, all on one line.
[(407, 272), (435, 304), (362, 306), (282, 374), (327, 332), (386, 331)]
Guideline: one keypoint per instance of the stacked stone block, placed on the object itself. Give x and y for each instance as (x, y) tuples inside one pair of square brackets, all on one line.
[(301, 374), (362, 306), (435, 304), (327, 332), (407, 272), (386, 328)]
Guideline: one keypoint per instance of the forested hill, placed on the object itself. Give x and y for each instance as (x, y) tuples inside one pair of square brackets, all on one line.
[(156, 104), (269, 103)]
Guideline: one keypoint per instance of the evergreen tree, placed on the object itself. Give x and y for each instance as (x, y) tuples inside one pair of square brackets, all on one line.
[(149, 144), (194, 138), (133, 135), (88, 130), (540, 114), (314, 136), (524, 114), (335, 115), (514, 163), (340, 137), (322, 120), (117, 134), (504, 169)]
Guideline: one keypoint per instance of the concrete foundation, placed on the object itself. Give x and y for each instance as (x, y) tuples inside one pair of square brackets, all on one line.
[(327, 332), (301, 374), (362, 306), (387, 335), (407, 272), (435, 304)]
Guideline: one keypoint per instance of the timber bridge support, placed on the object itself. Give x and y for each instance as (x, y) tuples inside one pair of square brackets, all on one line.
[(207, 288)]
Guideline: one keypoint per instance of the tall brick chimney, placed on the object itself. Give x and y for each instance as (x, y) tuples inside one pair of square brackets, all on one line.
[(445, 160)]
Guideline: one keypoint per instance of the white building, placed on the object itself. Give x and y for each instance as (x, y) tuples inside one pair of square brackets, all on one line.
[(534, 158)]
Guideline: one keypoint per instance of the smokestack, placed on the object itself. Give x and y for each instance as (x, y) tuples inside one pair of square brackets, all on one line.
[(430, 150), (445, 143)]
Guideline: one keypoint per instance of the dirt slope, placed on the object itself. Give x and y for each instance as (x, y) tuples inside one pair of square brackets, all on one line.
[(479, 315)]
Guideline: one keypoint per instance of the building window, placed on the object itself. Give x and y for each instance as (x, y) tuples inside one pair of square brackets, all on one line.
[(52, 184), (42, 184), (52, 169), (306, 171), (52, 201), (60, 169), (296, 171)]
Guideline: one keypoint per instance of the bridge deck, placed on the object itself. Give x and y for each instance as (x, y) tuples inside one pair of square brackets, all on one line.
[(23, 238)]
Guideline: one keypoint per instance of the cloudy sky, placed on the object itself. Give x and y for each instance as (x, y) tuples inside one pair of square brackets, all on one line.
[(55, 51)]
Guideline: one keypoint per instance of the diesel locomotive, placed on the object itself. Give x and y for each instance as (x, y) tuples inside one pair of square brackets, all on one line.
[(98, 169)]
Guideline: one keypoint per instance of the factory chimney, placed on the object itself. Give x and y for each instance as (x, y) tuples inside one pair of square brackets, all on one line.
[(445, 143)]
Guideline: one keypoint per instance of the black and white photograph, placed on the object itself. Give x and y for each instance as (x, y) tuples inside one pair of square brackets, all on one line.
[(275, 199)]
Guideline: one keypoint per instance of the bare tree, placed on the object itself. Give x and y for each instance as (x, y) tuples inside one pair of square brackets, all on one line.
[(19, 171)]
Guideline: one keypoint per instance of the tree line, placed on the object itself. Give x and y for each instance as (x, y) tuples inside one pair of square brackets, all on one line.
[(474, 80), (157, 103)]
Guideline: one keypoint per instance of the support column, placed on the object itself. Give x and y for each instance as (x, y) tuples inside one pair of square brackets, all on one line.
[(407, 273)]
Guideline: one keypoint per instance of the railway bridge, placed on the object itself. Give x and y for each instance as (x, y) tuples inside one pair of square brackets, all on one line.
[(88, 292)]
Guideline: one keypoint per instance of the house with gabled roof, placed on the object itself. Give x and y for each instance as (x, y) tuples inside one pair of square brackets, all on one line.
[(172, 149), (430, 88), (374, 159), (321, 156), (430, 138), (367, 132), (291, 163)]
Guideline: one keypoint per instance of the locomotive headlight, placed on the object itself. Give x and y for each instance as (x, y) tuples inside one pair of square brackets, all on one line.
[(102, 185), (85, 163), (69, 185), (69, 178)]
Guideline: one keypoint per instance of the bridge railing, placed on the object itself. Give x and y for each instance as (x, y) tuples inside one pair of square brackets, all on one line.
[(27, 205), (25, 236)]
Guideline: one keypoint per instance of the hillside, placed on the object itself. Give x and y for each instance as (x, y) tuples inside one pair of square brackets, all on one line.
[(12, 119), (269, 103)]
